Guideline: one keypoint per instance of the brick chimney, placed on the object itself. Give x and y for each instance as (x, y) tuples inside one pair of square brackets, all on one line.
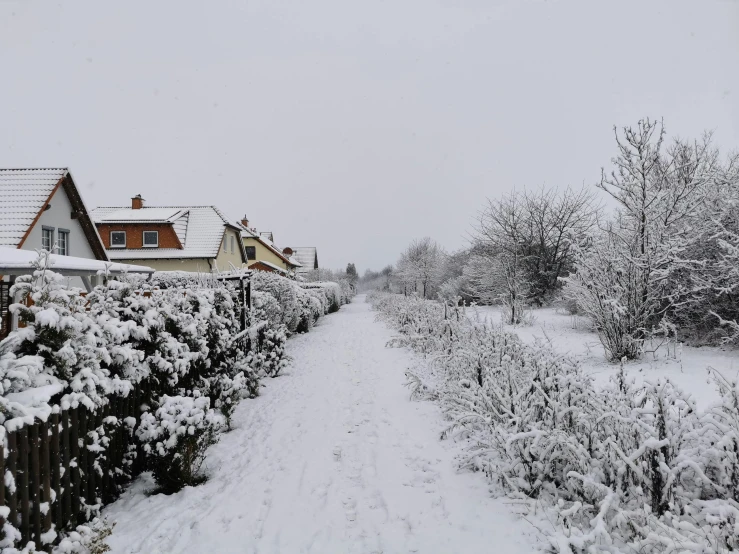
[(245, 222), (137, 202), (287, 251)]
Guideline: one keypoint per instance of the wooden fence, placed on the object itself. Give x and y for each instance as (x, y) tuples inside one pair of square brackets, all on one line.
[(58, 472)]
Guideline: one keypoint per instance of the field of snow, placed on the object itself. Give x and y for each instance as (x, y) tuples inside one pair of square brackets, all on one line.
[(572, 335), (332, 458)]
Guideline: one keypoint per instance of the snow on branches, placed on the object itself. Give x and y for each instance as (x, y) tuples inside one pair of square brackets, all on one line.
[(622, 468)]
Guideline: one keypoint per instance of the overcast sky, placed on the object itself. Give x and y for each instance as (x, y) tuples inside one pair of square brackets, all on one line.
[(353, 126)]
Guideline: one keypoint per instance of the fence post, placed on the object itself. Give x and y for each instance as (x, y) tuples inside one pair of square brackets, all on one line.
[(11, 493), (23, 484), (74, 439), (55, 461), (34, 445), (45, 489), (66, 451)]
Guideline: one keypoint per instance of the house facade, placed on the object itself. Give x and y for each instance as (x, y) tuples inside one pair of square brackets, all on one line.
[(196, 239), (42, 208), (261, 252)]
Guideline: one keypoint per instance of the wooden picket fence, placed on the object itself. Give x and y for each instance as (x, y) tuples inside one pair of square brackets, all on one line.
[(57, 477)]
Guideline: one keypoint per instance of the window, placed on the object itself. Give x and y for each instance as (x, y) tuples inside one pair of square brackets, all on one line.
[(233, 248), (62, 242), (251, 252), (117, 239), (151, 239), (47, 238), (225, 244)]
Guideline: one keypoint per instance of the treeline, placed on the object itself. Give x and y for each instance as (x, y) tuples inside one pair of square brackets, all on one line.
[(651, 250)]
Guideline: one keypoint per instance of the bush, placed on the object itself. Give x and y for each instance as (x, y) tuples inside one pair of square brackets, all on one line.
[(177, 336), (175, 438), (627, 468)]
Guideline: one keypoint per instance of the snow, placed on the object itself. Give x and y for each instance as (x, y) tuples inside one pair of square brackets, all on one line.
[(12, 259), (331, 458), (572, 335), (203, 235), (136, 215), (23, 192)]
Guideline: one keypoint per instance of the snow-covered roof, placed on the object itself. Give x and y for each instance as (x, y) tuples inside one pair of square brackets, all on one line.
[(249, 233), (307, 257), (16, 262), (269, 264), (199, 228), (267, 236), (143, 215), (23, 192)]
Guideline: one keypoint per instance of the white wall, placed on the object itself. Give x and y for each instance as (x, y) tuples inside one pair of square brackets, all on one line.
[(59, 216)]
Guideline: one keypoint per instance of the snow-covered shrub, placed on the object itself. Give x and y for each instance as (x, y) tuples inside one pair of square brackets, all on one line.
[(175, 438), (624, 468), (86, 539), (284, 290), (332, 292)]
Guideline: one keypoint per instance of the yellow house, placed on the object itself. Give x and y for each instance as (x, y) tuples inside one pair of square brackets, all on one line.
[(261, 252), (170, 238)]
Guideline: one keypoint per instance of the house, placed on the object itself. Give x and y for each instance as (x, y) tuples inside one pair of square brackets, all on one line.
[(306, 256), (42, 208), (262, 253), (170, 238)]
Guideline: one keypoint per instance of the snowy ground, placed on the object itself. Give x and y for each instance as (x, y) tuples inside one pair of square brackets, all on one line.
[(567, 334), (332, 458)]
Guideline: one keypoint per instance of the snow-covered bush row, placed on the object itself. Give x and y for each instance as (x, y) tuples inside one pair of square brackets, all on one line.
[(179, 342), (624, 468)]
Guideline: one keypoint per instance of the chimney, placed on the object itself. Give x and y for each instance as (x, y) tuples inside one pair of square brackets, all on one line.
[(288, 251), (245, 222), (137, 202)]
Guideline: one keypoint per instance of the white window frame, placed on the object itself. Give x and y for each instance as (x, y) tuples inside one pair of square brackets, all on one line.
[(118, 245), (143, 239), (59, 234), (50, 230)]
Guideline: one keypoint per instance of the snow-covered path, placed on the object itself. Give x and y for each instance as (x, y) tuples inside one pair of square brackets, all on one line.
[(332, 458)]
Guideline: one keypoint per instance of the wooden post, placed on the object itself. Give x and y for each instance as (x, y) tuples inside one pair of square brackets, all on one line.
[(55, 461), (44, 463), (34, 444), (74, 435), (111, 454), (11, 495), (23, 484), (66, 451)]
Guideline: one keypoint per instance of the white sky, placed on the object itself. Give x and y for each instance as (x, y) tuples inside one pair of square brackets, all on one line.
[(353, 126)]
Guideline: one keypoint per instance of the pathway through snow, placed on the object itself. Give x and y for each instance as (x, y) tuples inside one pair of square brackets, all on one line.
[(332, 458)]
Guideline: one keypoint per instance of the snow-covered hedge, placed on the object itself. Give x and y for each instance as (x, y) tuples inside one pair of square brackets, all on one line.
[(177, 339), (621, 469)]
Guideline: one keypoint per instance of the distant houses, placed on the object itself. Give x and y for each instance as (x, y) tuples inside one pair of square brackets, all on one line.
[(170, 238), (43, 209), (262, 252), (306, 256)]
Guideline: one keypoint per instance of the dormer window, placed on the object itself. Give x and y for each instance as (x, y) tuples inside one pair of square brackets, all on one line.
[(151, 239), (117, 239)]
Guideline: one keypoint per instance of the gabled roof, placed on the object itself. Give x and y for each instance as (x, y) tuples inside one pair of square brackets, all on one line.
[(199, 228), (307, 256), (25, 193), (248, 233), (268, 266)]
